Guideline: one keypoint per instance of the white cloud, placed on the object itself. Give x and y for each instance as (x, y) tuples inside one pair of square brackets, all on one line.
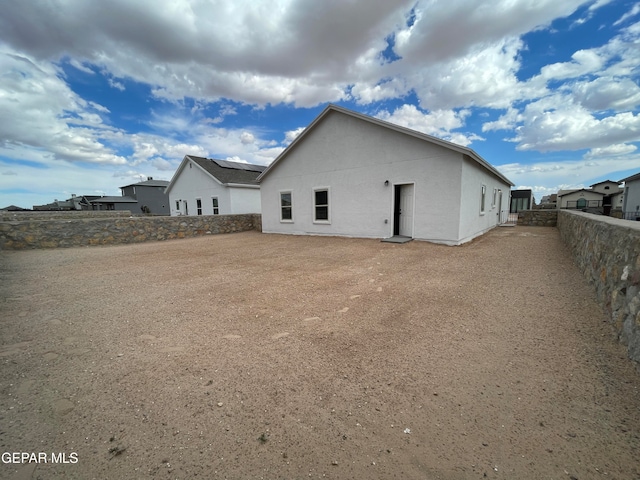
[(438, 123), (556, 124), (456, 56), (78, 65), (564, 174), (291, 135), (611, 151), (607, 93), (584, 62), (507, 121), (117, 85), (247, 138), (635, 10), (41, 112)]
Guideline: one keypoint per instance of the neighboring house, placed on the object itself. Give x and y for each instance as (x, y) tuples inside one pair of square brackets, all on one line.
[(202, 186), (150, 195), (115, 203), (348, 174), (580, 199), (631, 197), (599, 198), (74, 203), (142, 197), (610, 191), (549, 201), (521, 200), (14, 208)]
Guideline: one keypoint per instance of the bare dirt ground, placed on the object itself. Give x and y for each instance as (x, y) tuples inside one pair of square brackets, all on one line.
[(264, 356)]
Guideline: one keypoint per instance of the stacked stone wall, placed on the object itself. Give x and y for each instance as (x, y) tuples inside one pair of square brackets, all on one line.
[(538, 218), (32, 231), (607, 251), (8, 216)]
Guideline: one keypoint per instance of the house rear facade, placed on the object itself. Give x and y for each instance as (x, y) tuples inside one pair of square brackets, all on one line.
[(348, 174)]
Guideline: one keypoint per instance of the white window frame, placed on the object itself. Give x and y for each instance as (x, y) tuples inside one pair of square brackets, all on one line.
[(215, 205), (328, 205), (495, 194), (198, 206), (483, 199), (280, 206)]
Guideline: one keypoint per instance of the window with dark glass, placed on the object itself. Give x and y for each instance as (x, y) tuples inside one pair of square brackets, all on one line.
[(199, 206), (216, 209), (286, 206), (321, 205)]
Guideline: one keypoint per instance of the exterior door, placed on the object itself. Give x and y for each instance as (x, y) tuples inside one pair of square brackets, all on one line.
[(403, 210)]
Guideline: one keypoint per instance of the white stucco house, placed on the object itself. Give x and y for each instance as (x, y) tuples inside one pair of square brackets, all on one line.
[(602, 196), (348, 174), (631, 197), (203, 186), (579, 199)]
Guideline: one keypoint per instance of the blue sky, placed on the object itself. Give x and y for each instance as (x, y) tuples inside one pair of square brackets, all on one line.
[(98, 95)]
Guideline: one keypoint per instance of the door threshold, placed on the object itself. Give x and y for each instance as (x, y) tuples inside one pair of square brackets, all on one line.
[(397, 239)]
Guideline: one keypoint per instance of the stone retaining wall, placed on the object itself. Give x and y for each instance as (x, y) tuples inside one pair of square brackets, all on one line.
[(538, 218), (63, 214), (32, 231), (607, 251)]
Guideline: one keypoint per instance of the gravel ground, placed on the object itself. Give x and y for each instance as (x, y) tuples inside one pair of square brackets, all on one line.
[(265, 356)]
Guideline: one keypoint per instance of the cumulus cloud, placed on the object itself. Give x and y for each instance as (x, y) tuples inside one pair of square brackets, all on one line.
[(42, 112), (453, 57), (247, 138), (556, 124), (439, 123), (611, 151)]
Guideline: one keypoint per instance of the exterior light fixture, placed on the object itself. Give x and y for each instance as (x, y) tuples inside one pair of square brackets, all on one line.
[(386, 183)]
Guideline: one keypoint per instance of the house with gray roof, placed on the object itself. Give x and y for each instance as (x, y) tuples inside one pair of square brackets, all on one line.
[(205, 186), (348, 174), (150, 195), (147, 197)]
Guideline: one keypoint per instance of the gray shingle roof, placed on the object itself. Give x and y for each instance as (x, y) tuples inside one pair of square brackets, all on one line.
[(149, 183), (114, 200), (229, 175)]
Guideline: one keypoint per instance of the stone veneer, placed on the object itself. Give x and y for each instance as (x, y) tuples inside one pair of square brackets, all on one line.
[(78, 229), (538, 218), (607, 251)]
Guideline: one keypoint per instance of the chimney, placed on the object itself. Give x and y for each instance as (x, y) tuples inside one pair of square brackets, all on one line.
[(149, 178)]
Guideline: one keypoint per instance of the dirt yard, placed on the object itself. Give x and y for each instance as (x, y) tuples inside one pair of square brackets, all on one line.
[(251, 356)]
